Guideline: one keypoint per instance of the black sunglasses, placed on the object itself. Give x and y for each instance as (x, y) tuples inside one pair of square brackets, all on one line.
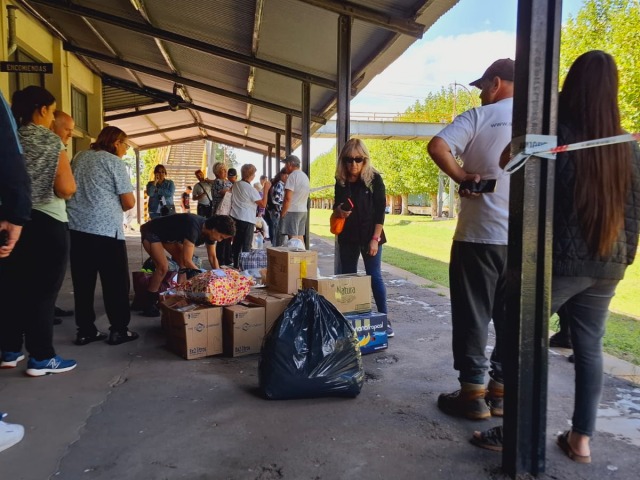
[(353, 159)]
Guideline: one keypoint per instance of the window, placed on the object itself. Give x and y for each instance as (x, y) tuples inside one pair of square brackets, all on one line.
[(79, 109), (18, 81)]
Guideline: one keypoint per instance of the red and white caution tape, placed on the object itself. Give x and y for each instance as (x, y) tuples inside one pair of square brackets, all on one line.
[(545, 146)]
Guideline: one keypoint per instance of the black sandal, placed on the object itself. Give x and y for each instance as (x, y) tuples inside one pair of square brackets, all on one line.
[(489, 439)]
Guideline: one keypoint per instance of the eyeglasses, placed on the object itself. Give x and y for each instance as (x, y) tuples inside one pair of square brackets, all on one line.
[(353, 159)]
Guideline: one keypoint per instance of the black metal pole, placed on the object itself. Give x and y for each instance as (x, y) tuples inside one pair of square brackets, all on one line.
[(530, 235), (306, 147), (343, 130), (287, 135)]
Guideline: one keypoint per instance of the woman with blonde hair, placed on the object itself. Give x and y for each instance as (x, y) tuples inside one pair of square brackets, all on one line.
[(220, 187), (361, 200)]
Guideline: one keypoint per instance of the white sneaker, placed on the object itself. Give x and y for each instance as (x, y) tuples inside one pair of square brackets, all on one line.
[(10, 433)]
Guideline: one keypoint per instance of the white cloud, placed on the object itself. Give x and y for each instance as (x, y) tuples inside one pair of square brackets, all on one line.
[(425, 67), (430, 65)]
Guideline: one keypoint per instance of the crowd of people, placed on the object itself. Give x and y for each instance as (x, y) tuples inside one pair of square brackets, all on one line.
[(54, 210)]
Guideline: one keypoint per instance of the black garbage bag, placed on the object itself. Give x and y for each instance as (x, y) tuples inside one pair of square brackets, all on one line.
[(311, 351)]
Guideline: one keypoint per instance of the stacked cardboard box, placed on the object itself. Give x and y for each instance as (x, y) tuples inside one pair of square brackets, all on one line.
[(350, 293), (193, 331), (287, 268), (371, 329), (273, 302), (243, 329)]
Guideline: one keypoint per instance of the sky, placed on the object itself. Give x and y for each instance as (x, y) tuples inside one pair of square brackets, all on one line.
[(456, 49)]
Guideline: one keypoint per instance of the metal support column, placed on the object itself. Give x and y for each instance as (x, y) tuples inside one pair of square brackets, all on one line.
[(530, 236), (343, 131), (278, 157), (344, 81), (266, 159), (306, 147), (138, 206), (287, 135)]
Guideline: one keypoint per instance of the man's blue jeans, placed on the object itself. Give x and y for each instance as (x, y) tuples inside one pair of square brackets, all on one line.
[(349, 255)]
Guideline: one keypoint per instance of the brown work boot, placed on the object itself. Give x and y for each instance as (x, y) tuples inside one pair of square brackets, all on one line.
[(468, 402), (495, 398)]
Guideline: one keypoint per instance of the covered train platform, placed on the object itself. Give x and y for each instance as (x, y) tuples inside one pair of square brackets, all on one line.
[(137, 411)]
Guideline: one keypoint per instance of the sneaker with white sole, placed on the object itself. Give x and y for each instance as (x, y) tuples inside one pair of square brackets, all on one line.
[(10, 433), (55, 364), (11, 359)]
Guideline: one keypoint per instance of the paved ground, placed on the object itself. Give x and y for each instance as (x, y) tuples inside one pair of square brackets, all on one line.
[(137, 411)]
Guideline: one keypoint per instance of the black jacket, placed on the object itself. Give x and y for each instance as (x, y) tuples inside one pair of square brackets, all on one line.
[(571, 255), (15, 185), (368, 210)]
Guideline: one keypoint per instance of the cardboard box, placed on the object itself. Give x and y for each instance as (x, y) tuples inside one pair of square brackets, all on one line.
[(242, 329), (350, 293), (273, 302), (286, 268), (193, 331), (372, 331)]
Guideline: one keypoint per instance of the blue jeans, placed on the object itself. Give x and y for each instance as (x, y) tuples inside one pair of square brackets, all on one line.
[(349, 254), (586, 302)]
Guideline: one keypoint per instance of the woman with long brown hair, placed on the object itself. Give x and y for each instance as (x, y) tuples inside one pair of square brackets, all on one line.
[(595, 233)]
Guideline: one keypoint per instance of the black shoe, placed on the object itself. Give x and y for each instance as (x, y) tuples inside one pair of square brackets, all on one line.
[(560, 340), (59, 312), (57, 321), (116, 338), (572, 358), (85, 340), (150, 311)]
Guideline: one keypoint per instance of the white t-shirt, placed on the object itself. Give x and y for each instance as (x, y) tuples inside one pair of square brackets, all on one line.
[(479, 136), (298, 183), (243, 202), (200, 188)]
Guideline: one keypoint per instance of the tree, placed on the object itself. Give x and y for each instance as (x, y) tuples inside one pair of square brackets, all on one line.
[(323, 171), (612, 26)]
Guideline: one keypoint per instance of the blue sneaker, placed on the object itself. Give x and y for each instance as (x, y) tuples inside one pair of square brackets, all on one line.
[(56, 364), (11, 359), (390, 333)]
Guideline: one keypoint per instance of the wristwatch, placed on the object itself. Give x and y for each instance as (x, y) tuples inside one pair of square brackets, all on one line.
[(377, 239)]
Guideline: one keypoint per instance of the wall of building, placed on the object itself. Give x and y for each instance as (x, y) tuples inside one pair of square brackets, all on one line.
[(68, 71)]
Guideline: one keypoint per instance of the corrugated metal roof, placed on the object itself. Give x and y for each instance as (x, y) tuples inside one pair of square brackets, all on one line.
[(215, 57)]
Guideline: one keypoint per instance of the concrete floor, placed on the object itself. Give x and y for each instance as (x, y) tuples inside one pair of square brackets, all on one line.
[(138, 411)]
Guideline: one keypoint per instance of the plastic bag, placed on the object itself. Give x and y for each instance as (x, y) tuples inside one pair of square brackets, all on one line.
[(311, 351), (140, 282), (218, 287)]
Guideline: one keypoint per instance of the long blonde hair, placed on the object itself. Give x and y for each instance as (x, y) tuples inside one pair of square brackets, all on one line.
[(355, 148)]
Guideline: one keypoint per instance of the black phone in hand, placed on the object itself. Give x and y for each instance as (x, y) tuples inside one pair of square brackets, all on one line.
[(4, 237), (483, 186)]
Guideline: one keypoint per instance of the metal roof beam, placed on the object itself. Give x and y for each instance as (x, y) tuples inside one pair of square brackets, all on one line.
[(151, 31), (135, 113), (158, 131), (208, 137), (185, 81), (171, 142), (405, 26)]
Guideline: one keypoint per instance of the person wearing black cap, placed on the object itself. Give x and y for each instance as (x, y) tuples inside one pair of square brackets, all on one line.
[(232, 175), (293, 217), (477, 271)]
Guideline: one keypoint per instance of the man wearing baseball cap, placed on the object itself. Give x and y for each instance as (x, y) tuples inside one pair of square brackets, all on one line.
[(477, 271), (293, 217)]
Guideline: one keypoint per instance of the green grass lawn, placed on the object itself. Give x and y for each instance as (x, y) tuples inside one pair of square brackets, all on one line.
[(421, 246)]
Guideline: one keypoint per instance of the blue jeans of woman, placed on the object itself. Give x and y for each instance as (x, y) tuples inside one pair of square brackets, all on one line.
[(349, 255), (586, 301)]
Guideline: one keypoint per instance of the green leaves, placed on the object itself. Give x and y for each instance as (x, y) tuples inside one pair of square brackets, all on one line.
[(612, 26)]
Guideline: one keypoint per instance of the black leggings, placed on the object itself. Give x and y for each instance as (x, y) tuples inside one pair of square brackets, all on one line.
[(30, 279)]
